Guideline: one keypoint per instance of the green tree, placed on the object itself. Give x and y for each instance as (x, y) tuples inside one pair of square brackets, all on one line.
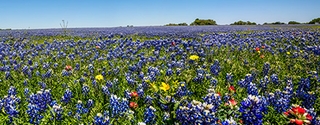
[(293, 22), (179, 24), (243, 23), (314, 21), (203, 22)]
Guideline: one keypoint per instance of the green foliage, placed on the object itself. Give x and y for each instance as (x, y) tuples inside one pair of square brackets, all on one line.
[(314, 21), (243, 23), (293, 22), (274, 23), (203, 22), (179, 24)]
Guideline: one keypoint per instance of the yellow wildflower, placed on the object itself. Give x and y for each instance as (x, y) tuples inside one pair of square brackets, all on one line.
[(182, 85), (99, 77), (165, 86), (194, 57), (288, 53), (259, 52)]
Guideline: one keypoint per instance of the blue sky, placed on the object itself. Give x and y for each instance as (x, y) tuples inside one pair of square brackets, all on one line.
[(34, 14)]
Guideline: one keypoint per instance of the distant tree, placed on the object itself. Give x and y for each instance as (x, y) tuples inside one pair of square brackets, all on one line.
[(243, 23), (180, 24), (314, 21), (183, 24), (293, 22), (203, 22), (274, 23), (277, 23)]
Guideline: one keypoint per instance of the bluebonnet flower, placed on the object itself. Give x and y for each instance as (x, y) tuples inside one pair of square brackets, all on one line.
[(252, 89), (80, 110), (66, 98), (275, 79), (315, 119), (85, 89), (77, 67), (118, 106), (169, 72), (141, 93), (213, 99), (82, 80), (149, 115), (266, 68), (26, 92), (65, 73), (182, 90), (309, 100), (127, 94), (280, 101), (252, 109), (229, 77), (34, 113), (229, 122), (10, 105), (215, 68), (94, 83), (213, 82), (57, 110), (8, 75), (90, 103), (105, 90), (100, 119), (42, 99), (196, 112), (12, 91), (148, 100)]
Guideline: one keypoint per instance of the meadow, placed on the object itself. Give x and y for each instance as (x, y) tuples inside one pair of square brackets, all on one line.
[(207, 75)]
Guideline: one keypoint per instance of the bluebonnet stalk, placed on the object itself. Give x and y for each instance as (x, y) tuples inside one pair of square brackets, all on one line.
[(57, 110), (118, 106), (213, 82), (85, 89), (34, 113), (274, 79), (229, 122), (80, 110), (90, 103), (196, 112), (252, 89), (215, 68), (105, 90), (266, 68), (229, 78), (149, 115), (100, 119), (66, 98), (253, 109), (148, 100)]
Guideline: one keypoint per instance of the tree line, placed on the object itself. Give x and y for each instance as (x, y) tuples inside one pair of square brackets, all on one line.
[(199, 22)]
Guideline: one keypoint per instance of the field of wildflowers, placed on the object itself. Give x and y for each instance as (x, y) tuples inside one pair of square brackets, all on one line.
[(210, 75)]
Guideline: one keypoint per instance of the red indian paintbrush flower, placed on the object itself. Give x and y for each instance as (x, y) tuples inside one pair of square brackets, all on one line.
[(257, 49), (298, 122), (68, 68), (298, 115), (134, 94), (133, 105), (232, 89)]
